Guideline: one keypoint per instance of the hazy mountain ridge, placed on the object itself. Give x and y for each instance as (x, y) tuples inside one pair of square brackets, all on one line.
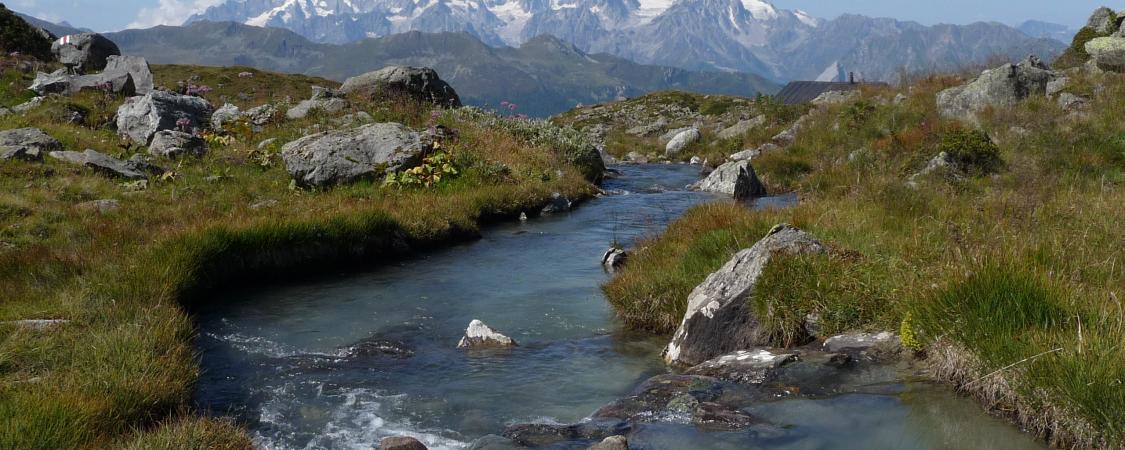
[(544, 76), (729, 35)]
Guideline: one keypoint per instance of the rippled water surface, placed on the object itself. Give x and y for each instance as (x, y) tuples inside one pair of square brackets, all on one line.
[(284, 359)]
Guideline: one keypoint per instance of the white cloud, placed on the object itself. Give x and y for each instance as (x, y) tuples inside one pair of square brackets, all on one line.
[(170, 12)]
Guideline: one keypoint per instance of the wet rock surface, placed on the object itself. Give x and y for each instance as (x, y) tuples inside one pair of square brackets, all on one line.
[(480, 336)]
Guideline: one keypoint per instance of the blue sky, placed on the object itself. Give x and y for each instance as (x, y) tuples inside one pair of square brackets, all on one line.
[(109, 15)]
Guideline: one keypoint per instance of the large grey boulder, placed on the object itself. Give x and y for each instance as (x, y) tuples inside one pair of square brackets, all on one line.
[(140, 118), (1102, 20), (420, 83), (681, 141), (344, 156), (479, 335), (1108, 53), (719, 319), (136, 66), (61, 82), (84, 53), (174, 144), (1004, 86), (106, 165), (28, 144), (736, 179)]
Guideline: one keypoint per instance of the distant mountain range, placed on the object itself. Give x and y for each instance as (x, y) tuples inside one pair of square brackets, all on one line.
[(544, 76), (724, 35), (1040, 29)]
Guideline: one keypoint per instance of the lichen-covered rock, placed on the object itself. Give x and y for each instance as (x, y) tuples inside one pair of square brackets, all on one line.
[(1004, 86), (174, 144), (140, 118), (344, 156), (736, 179), (1107, 53), (479, 335), (420, 83), (28, 144), (718, 318), (85, 52)]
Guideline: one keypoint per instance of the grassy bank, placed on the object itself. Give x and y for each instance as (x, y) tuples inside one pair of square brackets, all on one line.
[(120, 372), (1009, 274)]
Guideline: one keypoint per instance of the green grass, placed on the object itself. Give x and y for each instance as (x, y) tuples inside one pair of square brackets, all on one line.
[(1004, 264), (120, 373)]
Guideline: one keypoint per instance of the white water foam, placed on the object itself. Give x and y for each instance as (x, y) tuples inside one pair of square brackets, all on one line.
[(355, 421)]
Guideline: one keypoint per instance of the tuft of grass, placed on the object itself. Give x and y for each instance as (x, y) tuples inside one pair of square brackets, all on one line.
[(192, 433), (846, 292)]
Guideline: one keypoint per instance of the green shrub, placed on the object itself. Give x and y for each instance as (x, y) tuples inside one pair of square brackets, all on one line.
[(972, 151)]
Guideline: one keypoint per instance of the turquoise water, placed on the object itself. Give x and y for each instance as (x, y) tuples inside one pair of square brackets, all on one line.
[(278, 358)]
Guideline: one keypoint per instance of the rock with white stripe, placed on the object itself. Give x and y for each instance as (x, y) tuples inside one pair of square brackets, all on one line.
[(479, 335), (84, 53), (719, 319)]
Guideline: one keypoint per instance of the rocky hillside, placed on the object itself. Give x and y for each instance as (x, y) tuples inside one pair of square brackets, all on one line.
[(544, 76), (678, 126), (727, 35), (18, 36)]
